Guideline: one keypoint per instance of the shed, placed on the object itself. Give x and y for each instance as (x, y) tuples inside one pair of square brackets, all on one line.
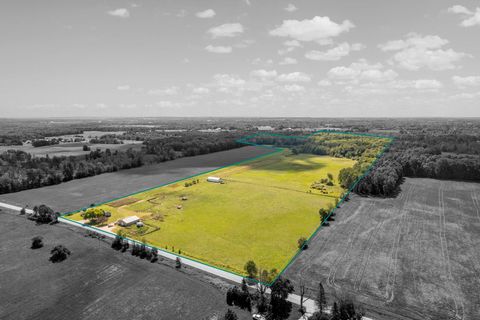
[(214, 179), (128, 221)]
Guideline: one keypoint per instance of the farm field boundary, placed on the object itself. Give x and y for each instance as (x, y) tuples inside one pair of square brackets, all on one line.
[(245, 140)]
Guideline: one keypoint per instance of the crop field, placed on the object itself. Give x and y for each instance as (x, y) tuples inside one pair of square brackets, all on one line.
[(415, 256), (95, 282), (260, 211)]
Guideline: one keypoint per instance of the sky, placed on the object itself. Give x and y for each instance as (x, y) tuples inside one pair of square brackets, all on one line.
[(248, 58)]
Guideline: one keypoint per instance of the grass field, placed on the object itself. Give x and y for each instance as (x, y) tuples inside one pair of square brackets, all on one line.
[(258, 214), (415, 256)]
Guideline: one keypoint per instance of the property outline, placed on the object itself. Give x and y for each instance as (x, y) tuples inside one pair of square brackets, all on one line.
[(243, 140)]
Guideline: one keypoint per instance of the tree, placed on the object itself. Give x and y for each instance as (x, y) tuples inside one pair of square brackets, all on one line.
[(86, 147), (59, 253), (302, 243), (37, 242), (280, 308), (94, 214), (230, 315), (23, 211), (154, 255), (302, 291), (320, 299), (178, 263), (251, 269), (330, 176)]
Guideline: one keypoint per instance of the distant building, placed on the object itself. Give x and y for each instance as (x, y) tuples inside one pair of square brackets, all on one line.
[(214, 179), (128, 221)]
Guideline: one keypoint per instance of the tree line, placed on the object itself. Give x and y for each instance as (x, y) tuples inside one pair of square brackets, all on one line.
[(20, 170)]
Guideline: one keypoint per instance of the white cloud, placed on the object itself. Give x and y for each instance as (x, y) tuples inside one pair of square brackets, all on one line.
[(324, 83), (201, 90), (206, 14), (457, 9), (120, 13), (362, 70), (226, 30), (160, 92), (427, 84), (470, 18), (333, 54), (218, 49), (292, 43), (286, 50), (290, 8), (262, 73), (470, 81), (294, 77), (123, 87), (227, 80), (288, 60), (416, 52), (319, 29), (294, 88)]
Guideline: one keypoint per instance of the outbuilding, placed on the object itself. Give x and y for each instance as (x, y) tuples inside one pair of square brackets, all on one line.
[(128, 221), (214, 179)]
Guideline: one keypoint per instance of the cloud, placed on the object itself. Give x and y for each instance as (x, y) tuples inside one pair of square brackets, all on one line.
[(417, 51), (226, 30), (290, 8), (206, 14), (427, 84), (324, 83), (288, 60), (470, 18), (218, 49), (123, 87), (470, 81), (264, 74), (333, 54), (362, 70), (294, 77), (171, 91), (201, 90), (227, 80), (318, 29), (292, 43), (120, 13), (294, 88)]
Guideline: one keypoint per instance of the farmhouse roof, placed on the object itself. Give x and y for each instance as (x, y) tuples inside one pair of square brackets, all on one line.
[(130, 219)]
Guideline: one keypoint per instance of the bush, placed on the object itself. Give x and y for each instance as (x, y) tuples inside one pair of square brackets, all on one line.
[(59, 253), (302, 243), (37, 242), (178, 263), (230, 315)]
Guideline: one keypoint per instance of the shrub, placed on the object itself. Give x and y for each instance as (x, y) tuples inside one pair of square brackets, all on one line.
[(302, 243), (59, 253), (37, 242), (178, 263)]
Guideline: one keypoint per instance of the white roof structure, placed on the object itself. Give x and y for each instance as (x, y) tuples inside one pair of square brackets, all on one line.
[(128, 220), (214, 179)]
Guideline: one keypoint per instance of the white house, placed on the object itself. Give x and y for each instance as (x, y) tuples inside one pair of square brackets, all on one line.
[(128, 221), (214, 179)]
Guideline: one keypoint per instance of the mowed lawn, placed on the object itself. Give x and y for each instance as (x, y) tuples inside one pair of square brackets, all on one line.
[(258, 214)]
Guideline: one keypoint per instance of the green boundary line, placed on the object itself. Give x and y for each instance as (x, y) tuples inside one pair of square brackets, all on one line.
[(276, 150)]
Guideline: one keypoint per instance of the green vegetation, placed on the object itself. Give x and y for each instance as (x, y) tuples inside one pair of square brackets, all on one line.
[(259, 212)]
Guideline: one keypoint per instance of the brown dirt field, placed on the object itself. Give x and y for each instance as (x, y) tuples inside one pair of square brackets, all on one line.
[(412, 257)]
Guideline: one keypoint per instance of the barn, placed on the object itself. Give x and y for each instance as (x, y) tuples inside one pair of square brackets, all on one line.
[(214, 179), (128, 221)]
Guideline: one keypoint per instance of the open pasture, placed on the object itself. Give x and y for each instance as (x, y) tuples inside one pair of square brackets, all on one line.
[(260, 211), (415, 256)]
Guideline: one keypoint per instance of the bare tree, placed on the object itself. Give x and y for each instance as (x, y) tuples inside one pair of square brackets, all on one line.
[(302, 290)]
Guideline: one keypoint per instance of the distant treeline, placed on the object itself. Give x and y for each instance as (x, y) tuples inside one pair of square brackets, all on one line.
[(20, 170), (449, 156)]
